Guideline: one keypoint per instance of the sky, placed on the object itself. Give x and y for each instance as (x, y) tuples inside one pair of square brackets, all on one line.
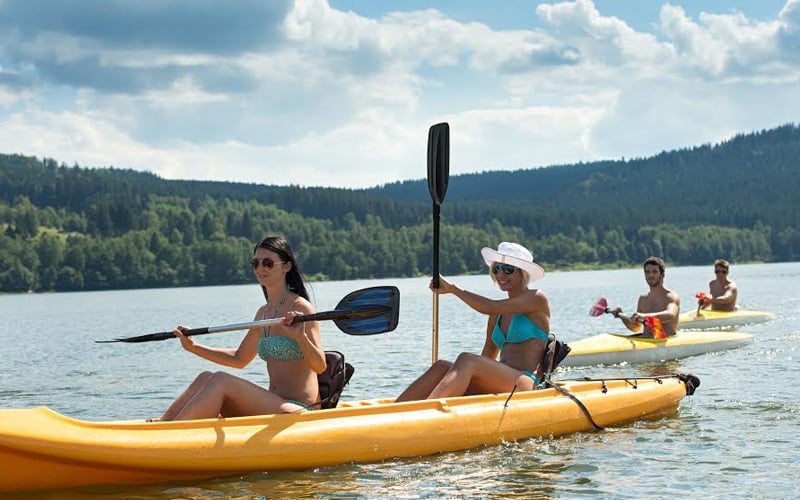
[(341, 93)]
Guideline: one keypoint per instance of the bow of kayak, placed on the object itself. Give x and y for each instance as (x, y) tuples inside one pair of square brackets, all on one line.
[(611, 348)]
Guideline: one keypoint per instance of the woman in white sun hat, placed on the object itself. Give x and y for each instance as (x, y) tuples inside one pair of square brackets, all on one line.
[(517, 330)]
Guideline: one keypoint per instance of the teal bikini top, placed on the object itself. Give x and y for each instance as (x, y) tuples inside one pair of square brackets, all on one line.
[(520, 329), (279, 347)]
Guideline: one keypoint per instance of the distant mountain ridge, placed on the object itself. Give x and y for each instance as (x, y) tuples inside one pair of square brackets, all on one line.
[(748, 178), (736, 182), (774, 153)]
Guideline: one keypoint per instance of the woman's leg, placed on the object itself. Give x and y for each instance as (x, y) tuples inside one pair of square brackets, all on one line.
[(422, 387), (184, 398), (479, 375), (230, 396)]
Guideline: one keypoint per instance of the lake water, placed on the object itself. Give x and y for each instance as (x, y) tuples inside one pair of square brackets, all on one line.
[(736, 437)]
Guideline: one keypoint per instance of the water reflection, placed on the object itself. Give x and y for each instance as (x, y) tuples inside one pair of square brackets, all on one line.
[(744, 417)]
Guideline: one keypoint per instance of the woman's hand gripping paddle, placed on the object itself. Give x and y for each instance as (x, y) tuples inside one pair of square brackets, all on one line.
[(600, 307), (364, 312)]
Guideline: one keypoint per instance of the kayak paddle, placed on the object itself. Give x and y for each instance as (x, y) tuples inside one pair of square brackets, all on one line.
[(438, 175), (364, 312), (702, 298), (600, 307)]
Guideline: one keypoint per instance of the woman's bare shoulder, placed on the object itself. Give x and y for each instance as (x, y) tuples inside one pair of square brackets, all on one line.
[(301, 304)]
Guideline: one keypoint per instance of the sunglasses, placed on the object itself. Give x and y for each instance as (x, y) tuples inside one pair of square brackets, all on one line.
[(507, 269), (267, 263), (718, 271)]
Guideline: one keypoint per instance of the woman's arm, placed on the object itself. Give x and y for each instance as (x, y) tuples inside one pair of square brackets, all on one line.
[(526, 302), (489, 349), (306, 334), (234, 358)]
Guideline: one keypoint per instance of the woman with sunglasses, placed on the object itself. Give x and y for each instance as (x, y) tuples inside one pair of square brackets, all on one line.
[(517, 330), (723, 291), (293, 353)]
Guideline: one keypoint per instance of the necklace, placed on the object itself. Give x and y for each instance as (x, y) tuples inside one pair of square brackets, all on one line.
[(275, 312)]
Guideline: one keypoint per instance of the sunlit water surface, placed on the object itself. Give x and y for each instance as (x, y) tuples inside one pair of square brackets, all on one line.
[(736, 437)]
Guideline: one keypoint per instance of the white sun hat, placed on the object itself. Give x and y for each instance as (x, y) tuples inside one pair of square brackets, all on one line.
[(516, 255)]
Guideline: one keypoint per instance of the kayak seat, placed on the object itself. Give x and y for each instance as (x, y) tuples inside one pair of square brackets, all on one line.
[(690, 381), (554, 354), (333, 380)]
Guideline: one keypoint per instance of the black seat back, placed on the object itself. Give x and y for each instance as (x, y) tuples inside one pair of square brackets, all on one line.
[(333, 380), (554, 354)]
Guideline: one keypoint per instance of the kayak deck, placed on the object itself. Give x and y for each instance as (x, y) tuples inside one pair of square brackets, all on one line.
[(611, 348), (709, 319), (40, 448)]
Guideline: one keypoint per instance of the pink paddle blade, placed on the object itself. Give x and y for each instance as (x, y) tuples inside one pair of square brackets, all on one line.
[(599, 307)]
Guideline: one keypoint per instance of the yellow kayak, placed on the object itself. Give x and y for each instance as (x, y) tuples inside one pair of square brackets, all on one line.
[(613, 348), (721, 319), (42, 449)]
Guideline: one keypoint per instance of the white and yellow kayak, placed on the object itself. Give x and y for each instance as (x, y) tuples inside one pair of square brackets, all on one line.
[(708, 319), (40, 448), (613, 348)]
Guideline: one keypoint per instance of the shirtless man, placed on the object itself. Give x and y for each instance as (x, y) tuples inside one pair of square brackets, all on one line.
[(659, 302), (723, 291)]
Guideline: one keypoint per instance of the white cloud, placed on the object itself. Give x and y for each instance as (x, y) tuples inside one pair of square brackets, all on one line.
[(326, 97)]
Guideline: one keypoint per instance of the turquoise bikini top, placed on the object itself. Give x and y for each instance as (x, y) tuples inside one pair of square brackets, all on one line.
[(279, 347), (520, 329)]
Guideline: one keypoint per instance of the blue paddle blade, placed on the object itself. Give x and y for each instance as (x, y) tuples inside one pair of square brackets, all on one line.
[(369, 311)]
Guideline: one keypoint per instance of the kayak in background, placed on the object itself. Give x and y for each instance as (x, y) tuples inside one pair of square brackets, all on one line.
[(42, 449), (708, 319), (613, 348)]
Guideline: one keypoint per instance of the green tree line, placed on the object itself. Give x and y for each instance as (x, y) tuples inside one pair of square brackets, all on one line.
[(73, 228)]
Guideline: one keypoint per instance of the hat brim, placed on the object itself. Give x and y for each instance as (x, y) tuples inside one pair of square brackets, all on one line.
[(534, 270)]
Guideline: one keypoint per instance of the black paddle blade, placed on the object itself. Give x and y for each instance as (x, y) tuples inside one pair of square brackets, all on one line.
[(140, 338), (369, 311), (438, 161)]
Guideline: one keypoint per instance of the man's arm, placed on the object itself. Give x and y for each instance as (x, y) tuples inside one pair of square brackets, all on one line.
[(630, 323), (728, 298), (669, 316)]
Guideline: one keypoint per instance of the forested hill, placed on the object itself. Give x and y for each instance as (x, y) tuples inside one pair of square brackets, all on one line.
[(749, 178), (76, 228)]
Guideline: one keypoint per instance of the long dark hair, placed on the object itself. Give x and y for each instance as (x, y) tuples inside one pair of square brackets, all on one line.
[(294, 279)]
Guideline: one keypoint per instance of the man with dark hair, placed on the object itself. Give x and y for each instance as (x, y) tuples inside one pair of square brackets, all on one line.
[(660, 302), (723, 291)]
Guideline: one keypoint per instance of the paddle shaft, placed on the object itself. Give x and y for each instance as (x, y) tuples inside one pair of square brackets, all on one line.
[(623, 317), (321, 316), (608, 310), (219, 329), (650, 322), (364, 312), (653, 328), (438, 175), (435, 333)]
